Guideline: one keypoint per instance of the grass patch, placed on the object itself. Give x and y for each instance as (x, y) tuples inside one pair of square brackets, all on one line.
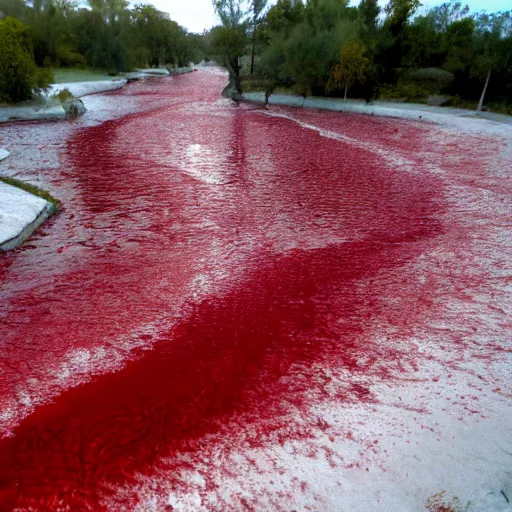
[(32, 189), (458, 102), (500, 108), (497, 108), (64, 95), (252, 84), (65, 75)]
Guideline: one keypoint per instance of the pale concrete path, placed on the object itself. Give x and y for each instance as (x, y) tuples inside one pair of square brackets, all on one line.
[(466, 120)]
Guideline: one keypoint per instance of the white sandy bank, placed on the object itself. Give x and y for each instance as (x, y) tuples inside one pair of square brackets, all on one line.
[(466, 121), (79, 89), (155, 71), (53, 110), (20, 214)]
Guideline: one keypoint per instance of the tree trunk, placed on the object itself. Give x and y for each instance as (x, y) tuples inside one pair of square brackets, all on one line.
[(346, 89), (253, 50), (481, 102), (238, 84), (236, 74)]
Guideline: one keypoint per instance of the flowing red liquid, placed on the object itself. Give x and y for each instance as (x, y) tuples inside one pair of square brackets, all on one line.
[(240, 251)]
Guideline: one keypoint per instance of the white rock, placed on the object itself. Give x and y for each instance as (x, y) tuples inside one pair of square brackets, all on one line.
[(155, 71), (74, 107), (19, 212), (79, 89)]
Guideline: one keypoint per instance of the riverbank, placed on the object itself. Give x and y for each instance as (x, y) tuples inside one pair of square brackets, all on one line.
[(50, 108), (81, 89), (23, 208), (460, 119), (21, 213)]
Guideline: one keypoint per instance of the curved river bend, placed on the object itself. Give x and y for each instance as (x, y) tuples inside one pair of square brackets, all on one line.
[(219, 281)]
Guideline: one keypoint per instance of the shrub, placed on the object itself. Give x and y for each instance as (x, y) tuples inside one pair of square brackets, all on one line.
[(500, 108), (44, 77), (432, 80), (64, 95), (458, 102), (66, 56), (497, 107), (19, 75), (403, 91)]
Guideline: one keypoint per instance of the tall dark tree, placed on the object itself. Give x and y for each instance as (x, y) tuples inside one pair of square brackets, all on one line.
[(282, 17), (369, 11), (257, 12), (445, 14), (19, 75), (229, 41)]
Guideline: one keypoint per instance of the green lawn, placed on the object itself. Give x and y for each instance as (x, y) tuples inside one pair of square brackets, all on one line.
[(79, 75)]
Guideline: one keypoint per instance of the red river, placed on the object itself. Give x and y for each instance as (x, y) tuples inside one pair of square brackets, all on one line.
[(218, 272)]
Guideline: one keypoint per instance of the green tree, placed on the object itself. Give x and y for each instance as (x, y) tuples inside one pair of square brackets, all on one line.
[(14, 8), (54, 39), (257, 12), (458, 42), (303, 43), (103, 36), (498, 24), (311, 52), (282, 17), (111, 10), (160, 40), (423, 45), (270, 68), (325, 15), (369, 11), (232, 13), (491, 50), (398, 14), (19, 76), (229, 41), (196, 47), (445, 14), (229, 44), (352, 66)]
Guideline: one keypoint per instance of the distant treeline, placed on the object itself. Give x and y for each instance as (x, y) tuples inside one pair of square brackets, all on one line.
[(321, 47), (326, 47), (105, 35)]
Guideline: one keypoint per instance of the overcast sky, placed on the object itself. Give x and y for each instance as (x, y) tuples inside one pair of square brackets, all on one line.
[(197, 15)]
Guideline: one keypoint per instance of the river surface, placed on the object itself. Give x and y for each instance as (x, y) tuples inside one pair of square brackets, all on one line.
[(230, 295)]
